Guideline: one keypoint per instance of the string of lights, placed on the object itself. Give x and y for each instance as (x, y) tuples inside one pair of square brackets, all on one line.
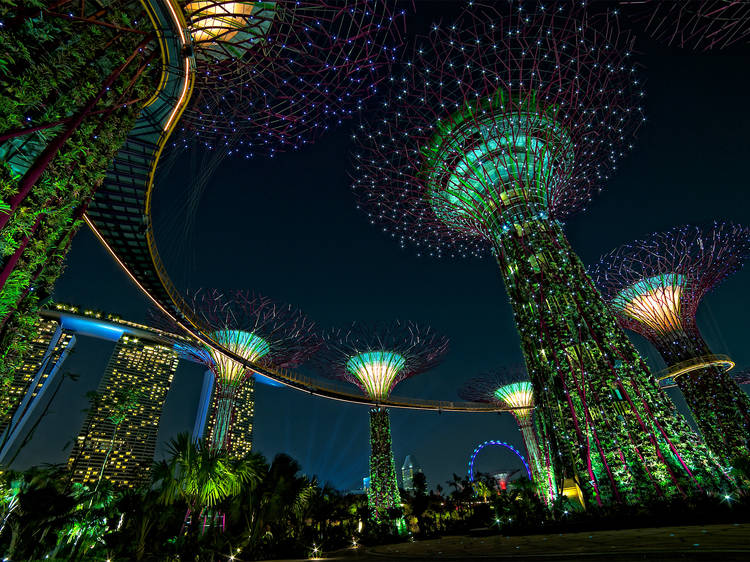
[(275, 75)]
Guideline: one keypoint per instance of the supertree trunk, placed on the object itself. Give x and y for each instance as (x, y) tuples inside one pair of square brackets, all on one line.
[(383, 494), (721, 409), (223, 415), (613, 429), (543, 480), (553, 486)]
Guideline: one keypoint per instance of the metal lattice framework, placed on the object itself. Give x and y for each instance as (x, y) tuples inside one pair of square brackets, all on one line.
[(694, 24), (510, 387), (376, 357), (255, 328), (275, 75), (437, 166), (120, 215), (498, 127), (655, 286)]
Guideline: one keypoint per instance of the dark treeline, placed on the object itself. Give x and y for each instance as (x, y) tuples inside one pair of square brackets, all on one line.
[(205, 505)]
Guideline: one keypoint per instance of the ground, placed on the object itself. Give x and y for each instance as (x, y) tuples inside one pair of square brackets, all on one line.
[(724, 543)]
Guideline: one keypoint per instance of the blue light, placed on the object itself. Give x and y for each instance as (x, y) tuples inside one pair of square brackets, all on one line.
[(93, 328), (501, 444), (267, 381)]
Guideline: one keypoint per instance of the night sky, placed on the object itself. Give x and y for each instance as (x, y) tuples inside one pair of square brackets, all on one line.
[(288, 228)]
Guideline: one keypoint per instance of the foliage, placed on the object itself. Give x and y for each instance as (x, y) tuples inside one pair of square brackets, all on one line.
[(273, 511), (200, 476), (50, 68)]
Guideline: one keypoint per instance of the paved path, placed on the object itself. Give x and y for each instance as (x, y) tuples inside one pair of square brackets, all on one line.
[(723, 543)]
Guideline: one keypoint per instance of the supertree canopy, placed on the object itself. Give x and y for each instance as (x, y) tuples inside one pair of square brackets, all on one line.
[(655, 286), (694, 24), (501, 125), (257, 329), (375, 358), (277, 74), (510, 388)]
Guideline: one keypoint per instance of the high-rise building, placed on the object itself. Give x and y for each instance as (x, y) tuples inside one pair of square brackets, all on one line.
[(408, 470), (33, 385), (240, 430), (118, 439)]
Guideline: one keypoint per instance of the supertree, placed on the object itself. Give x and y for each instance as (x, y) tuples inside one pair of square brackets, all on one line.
[(694, 24), (275, 75), (74, 78), (500, 126), (376, 358), (257, 329), (511, 388), (503, 478), (655, 286)]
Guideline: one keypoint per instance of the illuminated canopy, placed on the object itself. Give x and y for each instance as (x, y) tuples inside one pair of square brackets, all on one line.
[(376, 371), (655, 301), (245, 344), (518, 395), (218, 27), (376, 357), (495, 161)]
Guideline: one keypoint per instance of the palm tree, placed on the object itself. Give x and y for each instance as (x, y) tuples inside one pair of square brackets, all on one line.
[(36, 509), (456, 482), (481, 489), (202, 477), (275, 510)]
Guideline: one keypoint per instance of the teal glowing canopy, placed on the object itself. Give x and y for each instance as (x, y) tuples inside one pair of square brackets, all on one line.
[(245, 344), (518, 395), (376, 371), (496, 162)]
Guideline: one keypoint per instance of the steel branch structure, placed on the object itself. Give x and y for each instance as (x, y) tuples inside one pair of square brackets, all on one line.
[(376, 358), (275, 75), (693, 24), (501, 125), (120, 215), (655, 286), (512, 389), (258, 330)]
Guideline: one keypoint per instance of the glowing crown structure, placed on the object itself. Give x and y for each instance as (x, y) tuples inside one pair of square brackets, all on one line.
[(511, 388), (275, 75), (499, 126), (655, 286), (376, 358), (257, 329)]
